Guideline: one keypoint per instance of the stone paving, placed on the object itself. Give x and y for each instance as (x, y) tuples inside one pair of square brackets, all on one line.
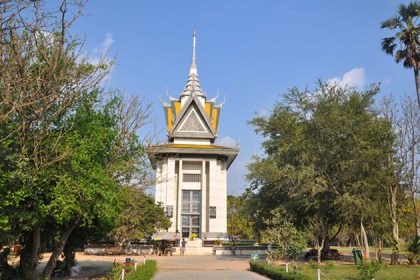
[(204, 268)]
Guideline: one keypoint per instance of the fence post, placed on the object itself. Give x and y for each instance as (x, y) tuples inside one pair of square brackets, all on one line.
[(122, 274), (319, 274), (144, 259), (287, 267), (135, 266)]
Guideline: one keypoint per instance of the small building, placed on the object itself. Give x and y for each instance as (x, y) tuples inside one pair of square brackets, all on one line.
[(191, 171)]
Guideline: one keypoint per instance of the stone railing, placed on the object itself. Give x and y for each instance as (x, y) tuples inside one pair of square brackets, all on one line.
[(239, 250)]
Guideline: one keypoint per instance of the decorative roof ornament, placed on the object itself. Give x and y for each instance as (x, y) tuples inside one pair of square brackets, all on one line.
[(170, 97), (193, 87)]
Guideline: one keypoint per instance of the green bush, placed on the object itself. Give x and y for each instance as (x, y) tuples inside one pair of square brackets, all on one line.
[(115, 271), (144, 272), (274, 272), (329, 265), (414, 250), (313, 265), (367, 270)]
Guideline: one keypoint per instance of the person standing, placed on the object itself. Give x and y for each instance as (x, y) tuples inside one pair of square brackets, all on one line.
[(177, 238), (183, 245)]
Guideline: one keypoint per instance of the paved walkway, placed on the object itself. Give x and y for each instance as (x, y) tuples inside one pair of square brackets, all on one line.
[(204, 268)]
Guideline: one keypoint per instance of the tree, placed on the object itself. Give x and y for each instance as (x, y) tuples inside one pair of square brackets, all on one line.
[(239, 223), (141, 217), (409, 151), (287, 242), (405, 44), (68, 148), (325, 152), (43, 76)]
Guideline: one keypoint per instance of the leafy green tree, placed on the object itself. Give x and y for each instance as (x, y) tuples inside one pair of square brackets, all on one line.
[(405, 44), (43, 76), (140, 217), (286, 241), (67, 150), (239, 223), (323, 162)]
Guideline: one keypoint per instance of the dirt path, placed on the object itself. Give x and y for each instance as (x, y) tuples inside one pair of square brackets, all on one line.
[(173, 268)]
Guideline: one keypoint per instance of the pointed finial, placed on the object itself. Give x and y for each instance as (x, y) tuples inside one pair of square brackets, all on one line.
[(193, 84), (193, 67), (193, 55)]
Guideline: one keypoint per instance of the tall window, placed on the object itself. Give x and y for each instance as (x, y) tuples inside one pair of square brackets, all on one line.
[(191, 213)]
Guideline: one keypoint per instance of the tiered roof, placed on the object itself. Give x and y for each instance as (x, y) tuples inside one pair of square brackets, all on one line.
[(192, 115)]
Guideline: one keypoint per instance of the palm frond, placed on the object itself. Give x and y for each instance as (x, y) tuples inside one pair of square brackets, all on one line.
[(392, 23), (409, 11), (405, 42), (407, 63), (388, 45), (400, 55)]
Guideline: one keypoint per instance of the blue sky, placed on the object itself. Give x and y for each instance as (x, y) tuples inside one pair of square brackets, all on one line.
[(249, 51)]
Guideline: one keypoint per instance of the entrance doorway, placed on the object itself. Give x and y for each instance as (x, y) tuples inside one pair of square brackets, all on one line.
[(191, 213)]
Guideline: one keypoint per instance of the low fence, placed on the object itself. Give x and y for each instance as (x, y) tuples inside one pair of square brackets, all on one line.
[(239, 250), (106, 249)]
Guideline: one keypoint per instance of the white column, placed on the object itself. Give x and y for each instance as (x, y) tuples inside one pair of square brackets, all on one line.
[(180, 197), (204, 206)]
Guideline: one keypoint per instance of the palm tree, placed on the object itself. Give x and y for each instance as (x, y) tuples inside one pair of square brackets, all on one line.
[(405, 44)]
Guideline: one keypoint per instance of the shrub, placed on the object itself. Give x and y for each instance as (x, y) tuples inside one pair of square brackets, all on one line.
[(274, 272), (414, 249), (367, 270), (115, 271), (288, 240), (329, 265), (313, 265)]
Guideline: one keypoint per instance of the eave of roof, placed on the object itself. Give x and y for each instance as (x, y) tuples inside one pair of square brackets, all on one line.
[(229, 153)]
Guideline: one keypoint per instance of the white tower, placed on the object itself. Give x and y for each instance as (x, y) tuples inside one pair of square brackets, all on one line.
[(191, 171)]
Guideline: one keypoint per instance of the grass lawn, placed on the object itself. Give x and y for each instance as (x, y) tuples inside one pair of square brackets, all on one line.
[(350, 272), (347, 272), (144, 272), (348, 250)]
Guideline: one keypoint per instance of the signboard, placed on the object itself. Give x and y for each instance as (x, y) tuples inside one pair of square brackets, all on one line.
[(212, 212), (169, 211)]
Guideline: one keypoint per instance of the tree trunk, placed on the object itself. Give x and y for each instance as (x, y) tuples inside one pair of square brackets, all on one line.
[(58, 249), (416, 214), (69, 249), (358, 241), (394, 222), (393, 190), (29, 254), (69, 256), (380, 246), (365, 241), (319, 248), (417, 78), (413, 186)]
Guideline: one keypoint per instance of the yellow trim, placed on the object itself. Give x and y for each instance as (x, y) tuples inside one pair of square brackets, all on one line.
[(207, 108), (214, 119), (177, 108), (170, 118)]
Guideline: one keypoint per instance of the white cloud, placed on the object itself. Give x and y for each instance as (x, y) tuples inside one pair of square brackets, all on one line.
[(107, 43), (263, 113), (100, 53), (353, 78), (228, 142)]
